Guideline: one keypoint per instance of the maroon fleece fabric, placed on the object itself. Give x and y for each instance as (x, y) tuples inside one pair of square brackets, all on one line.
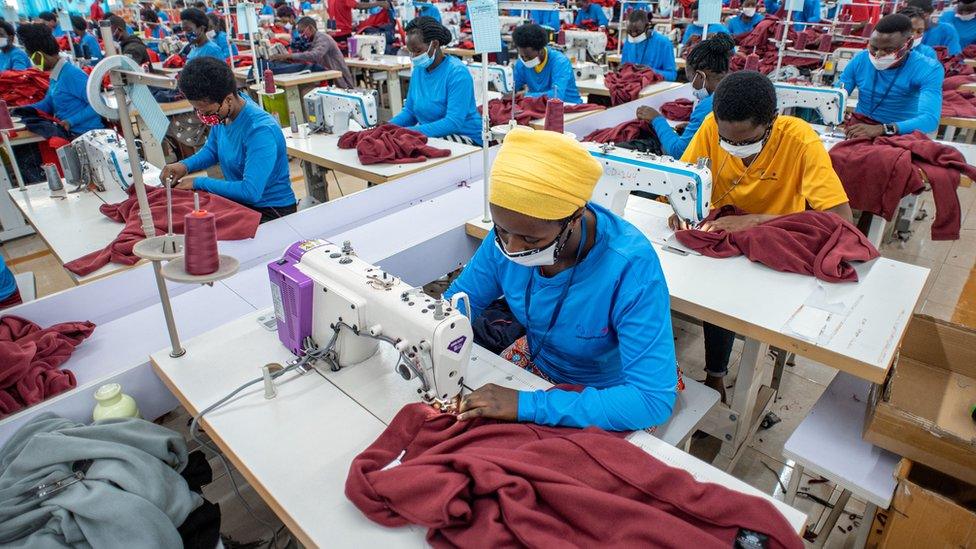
[(820, 244), (626, 83), (528, 109), (955, 82), (878, 173), (234, 222), (389, 144), (483, 483), (30, 357), (678, 110), (627, 131), (958, 103)]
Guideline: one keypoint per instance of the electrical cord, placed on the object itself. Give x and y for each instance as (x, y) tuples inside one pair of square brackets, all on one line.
[(403, 357)]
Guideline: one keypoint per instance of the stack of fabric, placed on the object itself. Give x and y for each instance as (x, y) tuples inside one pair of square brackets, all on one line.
[(678, 110), (633, 134), (20, 88), (30, 360), (626, 83), (389, 144), (528, 109), (483, 483), (234, 222), (953, 65), (760, 42), (958, 103), (819, 244)]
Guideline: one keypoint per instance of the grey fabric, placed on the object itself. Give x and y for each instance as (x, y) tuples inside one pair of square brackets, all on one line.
[(325, 52), (132, 494)]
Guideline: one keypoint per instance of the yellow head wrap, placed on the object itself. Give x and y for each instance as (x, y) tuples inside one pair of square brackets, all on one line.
[(542, 174)]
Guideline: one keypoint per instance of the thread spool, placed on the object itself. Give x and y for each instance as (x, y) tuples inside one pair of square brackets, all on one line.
[(845, 29), (6, 123), (353, 46), (200, 241), (801, 40), (293, 122), (752, 62), (868, 29), (561, 38), (53, 177), (826, 41), (554, 116), (269, 83)]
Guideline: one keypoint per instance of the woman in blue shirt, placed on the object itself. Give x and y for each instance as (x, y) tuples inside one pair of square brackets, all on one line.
[(963, 18), (936, 33), (746, 20), (645, 46), (586, 285), (220, 36), (706, 66), (87, 46), (440, 102), (544, 70), (587, 10), (694, 29), (196, 25), (244, 140), (918, 32), (12, 58)]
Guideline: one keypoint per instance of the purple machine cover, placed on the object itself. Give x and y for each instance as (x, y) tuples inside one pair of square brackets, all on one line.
[(291, 291)]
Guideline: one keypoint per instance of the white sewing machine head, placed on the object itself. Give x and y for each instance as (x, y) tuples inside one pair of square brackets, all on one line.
[(103, 159), (171, 45), (587, 70), (829, 102), (324, 106), (368, 45), (319, 287), (688, 187), (499, 76), (579, 42)]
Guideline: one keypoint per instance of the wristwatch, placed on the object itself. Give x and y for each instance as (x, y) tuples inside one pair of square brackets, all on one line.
[(890, 129)]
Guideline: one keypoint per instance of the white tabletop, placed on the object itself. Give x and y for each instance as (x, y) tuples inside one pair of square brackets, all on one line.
[(597, 86), (322, 150), (296, 448)]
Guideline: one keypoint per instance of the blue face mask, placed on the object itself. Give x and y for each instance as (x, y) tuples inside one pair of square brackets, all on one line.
[(191, 37), (423, 60)]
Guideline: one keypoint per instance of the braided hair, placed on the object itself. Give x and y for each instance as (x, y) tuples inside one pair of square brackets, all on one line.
[(429, 30), (713, 54)]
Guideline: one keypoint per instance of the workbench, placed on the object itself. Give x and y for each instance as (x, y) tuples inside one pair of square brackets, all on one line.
[(12, 224), (389, 66), (295, 449), (292, 84), (860, 337), (461, 52), (597, 86)]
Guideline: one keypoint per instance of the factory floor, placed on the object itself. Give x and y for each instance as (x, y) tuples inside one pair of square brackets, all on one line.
[(950, 294)]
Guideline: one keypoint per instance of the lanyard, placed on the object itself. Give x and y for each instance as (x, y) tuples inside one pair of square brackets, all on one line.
[(534, 349), (874, 82)]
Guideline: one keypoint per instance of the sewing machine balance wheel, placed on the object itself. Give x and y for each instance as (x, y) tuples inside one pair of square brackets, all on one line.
[(94, 88)]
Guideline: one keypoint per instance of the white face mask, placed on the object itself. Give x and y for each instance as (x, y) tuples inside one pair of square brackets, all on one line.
[(211, 34), (4, 42), (637, 39), (699, 93), (967, 17), (744, 151), (748, 12), (531, 63), (540, 257), (288, 26), (884, 62), (917, 42)]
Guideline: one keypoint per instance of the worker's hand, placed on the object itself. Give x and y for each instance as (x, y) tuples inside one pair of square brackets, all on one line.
[(65, 124), (647, 113), (186, 184), (280, 57), (732, 223), (864, 130), (490, 401), (680, 128), (677, 224), (172, 173)]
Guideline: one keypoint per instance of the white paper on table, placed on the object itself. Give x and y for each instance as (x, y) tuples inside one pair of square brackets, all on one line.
[(486, 29), (809, 323)]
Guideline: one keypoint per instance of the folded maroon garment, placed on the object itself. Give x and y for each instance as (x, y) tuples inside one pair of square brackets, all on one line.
[(678, 110), (878, 173), (30, 358), (528, 109), (482, 483), (958, 103), (969, 52), (626, 83), (627, 131), (955, 82), (389, 144), (234, 222), (820, 244)]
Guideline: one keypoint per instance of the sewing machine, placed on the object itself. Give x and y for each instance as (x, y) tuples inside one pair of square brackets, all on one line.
[(580, 42), (449, 18), (587, 70), (326, 293), (508, 23), (171, 45), (330, 109), (499, 76), (102, 158), (829, 102), (839, 59), (266, 49), (367, 45), (688, 187)]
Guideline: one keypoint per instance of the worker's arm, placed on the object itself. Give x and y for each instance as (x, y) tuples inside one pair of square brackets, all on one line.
[(847, 79), (641, 319), (674, 144), (460, 102), (315, 53), (405, 118), (926, 119), (19, 61), (687, 36), (479, 279), (952, 40), (601, 18), (259, 161), (668, 68), (45, 104), (77, 85)]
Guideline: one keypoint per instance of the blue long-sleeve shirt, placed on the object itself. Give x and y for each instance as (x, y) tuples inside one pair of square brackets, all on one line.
[(810, 14), (441, 102), (695, 29), (909, 95), (8, 284), (426, 9), (926, 51), (162, 15), (613, 334), (943, 34), (556, 73), (545, 18), (674, 144), (67, 98), (221, 40), (14, 59), (773, 6), (740, 24), (655, 52), (592, 12), (89, 46), (252, 156), (965, 29), (208, 49)]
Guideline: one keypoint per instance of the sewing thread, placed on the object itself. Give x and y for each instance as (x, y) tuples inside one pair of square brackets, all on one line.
[(554, 116), (6, 123), (269, 83), (200, 242)]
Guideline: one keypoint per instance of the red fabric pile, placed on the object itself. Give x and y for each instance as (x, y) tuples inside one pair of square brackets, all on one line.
[(958, 103), (389, 144), (30, 357), (952, 65), (528, 109), (759, 41), (878, 174), (19, 88), (678, 110), (955, 82), (969, 52), (482, 483), (627, 131), (174, 61), (626, 83), (820, 244), (234, 222)]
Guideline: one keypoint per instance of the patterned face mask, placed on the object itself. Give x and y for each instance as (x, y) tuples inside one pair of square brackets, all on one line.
[(212, 119)]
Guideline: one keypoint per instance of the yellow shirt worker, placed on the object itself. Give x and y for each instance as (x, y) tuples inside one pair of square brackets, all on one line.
[(765, 164)]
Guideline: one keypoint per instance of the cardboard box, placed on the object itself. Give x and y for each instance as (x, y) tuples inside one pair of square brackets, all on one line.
[(922, 412), (929, 509)]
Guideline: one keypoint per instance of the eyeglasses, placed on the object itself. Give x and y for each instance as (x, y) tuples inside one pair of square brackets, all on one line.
[(748, 141)]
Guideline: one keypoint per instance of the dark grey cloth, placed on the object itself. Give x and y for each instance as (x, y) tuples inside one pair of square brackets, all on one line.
[(131, 494), (325, 52)]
